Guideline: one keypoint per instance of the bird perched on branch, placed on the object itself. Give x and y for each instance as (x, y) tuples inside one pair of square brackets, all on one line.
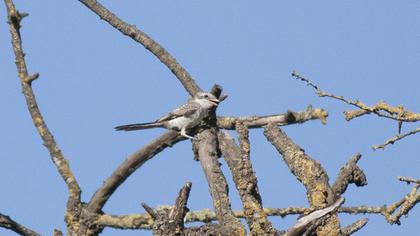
[(182, 118)]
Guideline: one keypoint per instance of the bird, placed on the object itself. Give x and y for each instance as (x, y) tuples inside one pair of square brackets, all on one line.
[(182, 118)]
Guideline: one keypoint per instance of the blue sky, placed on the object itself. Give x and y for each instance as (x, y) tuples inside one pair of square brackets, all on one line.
[(93, 78)]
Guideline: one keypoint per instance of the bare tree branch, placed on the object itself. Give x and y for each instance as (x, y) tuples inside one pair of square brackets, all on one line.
[(205, 149), (229, 122), (408, 180), (381, 109), (170, 221), (144, 221), (308, 171), (139, 36), (245, 180), (395, 139), (404, 205), (131, 164), (303, 223), (134, 221), (353, 228), (57, 157), (8, 223), (350, 173)]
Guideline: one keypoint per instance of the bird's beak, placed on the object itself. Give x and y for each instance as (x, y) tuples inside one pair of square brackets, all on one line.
[(215, 101)]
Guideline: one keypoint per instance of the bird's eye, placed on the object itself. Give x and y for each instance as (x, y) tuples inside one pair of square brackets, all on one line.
[(206, 96)]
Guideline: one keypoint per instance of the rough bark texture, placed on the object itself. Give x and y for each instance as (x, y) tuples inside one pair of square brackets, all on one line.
[(205, 148), (309, 172), (245, 181), (349, 174)]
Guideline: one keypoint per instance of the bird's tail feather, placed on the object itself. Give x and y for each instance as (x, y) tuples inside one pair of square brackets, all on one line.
[(139, 126)]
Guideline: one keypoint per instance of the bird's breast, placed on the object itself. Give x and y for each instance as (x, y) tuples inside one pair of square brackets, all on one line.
[(178, 123)]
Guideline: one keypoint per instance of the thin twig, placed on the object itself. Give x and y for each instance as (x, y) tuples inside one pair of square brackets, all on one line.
[(381, 109), (137, 35), (353, 228), (395, 139), (408, 180)]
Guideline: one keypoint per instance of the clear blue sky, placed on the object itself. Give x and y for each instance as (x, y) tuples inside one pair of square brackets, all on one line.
[(93, 78)]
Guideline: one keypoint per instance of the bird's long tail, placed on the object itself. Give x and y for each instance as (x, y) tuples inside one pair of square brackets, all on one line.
[(139, 126)]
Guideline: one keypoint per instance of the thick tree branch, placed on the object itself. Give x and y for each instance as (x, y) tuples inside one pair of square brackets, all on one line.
[(57, 157), (245, 180), (229, 122), (8, 223), (205, 149), (308, 171), (137, 35), (350, 173), (131, 164)]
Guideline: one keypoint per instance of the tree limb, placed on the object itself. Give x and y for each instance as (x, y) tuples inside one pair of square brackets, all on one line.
[(8, 223), (308, 171), (245, 180), (229, 122), (57, 157), (205, 150), (131, 164), (139, 36)]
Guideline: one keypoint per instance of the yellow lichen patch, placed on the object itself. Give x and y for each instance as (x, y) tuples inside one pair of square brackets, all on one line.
[(322, 115), (38, 121)]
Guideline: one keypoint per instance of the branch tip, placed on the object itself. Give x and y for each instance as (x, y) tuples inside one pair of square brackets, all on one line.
[(149, 210), (30, 78)]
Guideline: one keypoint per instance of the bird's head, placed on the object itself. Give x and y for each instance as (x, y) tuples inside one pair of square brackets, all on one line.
[(207, 100)]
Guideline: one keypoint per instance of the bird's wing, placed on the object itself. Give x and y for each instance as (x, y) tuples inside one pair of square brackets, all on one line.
[(185, 110)]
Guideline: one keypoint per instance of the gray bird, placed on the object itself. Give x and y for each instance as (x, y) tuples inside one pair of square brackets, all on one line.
[(182, 118)]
